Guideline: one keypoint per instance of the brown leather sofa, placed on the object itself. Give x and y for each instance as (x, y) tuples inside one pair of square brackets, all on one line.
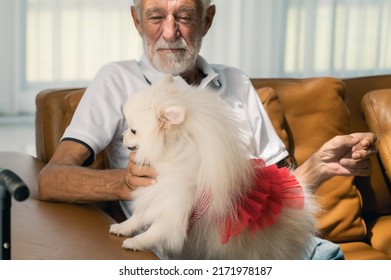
[(305, 112)]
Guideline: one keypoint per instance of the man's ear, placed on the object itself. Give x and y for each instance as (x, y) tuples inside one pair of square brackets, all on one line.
[(136, 19), (210, 13), (171, 115)]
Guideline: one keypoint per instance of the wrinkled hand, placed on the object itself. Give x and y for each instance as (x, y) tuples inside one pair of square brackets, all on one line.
[(341, 156), (138, 175), (348, 154)]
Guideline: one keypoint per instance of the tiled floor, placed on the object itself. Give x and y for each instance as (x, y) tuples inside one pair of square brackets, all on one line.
[(17, 134)]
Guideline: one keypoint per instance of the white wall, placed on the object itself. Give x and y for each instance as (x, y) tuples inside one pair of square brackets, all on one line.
[(8, 55), (241, 28)]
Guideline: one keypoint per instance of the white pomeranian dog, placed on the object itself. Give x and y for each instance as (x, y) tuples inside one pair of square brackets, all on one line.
[(211, 201)]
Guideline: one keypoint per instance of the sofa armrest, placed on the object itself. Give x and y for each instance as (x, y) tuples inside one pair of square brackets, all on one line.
[(42, 230), (379, 234), (376, 107)]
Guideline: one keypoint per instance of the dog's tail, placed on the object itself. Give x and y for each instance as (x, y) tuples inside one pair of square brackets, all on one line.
[(225, 167)]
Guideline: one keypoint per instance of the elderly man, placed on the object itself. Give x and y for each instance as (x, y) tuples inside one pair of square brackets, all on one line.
[(172, 32)]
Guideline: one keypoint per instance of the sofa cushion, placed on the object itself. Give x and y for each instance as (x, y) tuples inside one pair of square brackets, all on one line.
[(380, 234), (314, 112), (275, 111), (361, 251)]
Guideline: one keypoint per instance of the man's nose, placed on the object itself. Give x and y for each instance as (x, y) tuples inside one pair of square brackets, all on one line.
[(171, 29)]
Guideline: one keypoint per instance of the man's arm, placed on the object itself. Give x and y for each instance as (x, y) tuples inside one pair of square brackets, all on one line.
[(64, 179)]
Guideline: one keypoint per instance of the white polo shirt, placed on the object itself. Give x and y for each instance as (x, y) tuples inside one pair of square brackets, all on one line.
[(99, 123)]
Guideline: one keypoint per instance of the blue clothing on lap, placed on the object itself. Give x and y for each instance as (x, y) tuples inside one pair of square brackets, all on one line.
[(325, 250), (322, 250)]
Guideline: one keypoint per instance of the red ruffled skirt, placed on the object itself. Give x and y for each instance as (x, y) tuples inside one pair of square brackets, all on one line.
[(273, 189)]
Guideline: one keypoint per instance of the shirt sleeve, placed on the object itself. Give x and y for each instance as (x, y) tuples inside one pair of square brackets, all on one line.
[(99, 113), (266, 143)]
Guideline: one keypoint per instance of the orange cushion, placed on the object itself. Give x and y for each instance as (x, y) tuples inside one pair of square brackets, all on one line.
[(313, 111), (275, 111)]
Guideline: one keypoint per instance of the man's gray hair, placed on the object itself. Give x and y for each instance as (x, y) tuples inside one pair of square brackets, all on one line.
[(205, 5)]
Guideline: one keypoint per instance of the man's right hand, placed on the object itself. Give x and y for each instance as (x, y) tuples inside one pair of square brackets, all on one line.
[(138, 175)]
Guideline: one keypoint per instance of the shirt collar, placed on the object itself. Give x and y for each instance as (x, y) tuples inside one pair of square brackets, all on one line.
[(211, 76), (152, 75)]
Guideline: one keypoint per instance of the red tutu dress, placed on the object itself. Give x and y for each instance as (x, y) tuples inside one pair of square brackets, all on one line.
[(273, 189)]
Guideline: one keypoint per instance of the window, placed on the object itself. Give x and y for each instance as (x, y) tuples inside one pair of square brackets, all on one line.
[(340, 38), (67, 41)]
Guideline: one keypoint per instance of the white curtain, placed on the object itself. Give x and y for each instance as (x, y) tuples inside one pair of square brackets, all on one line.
[(302, 38), (340, 38), (68, 40), (64, 42)]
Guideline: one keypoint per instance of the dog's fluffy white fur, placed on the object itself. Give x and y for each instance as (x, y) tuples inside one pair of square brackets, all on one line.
[(192, 138)]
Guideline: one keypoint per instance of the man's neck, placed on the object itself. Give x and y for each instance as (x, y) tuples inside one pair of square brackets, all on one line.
[(193, 77)]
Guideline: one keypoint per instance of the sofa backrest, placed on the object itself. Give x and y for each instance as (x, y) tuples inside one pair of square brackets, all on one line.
[(54, 112), (305, 113)]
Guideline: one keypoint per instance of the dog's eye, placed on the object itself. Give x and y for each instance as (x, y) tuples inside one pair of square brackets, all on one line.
[(133, 131)]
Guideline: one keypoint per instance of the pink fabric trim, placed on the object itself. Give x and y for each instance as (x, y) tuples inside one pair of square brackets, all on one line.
[(200, 206)]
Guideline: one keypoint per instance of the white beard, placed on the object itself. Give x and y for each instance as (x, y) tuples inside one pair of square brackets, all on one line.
[(173, 63)]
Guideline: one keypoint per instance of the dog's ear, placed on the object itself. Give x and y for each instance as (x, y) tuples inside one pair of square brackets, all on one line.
[(171, 115)]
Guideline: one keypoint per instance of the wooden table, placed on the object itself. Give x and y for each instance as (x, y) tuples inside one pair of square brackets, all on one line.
[(58, 231)]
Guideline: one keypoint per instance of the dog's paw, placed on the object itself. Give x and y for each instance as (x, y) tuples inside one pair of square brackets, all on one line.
[(133, 244), (117, 229)]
